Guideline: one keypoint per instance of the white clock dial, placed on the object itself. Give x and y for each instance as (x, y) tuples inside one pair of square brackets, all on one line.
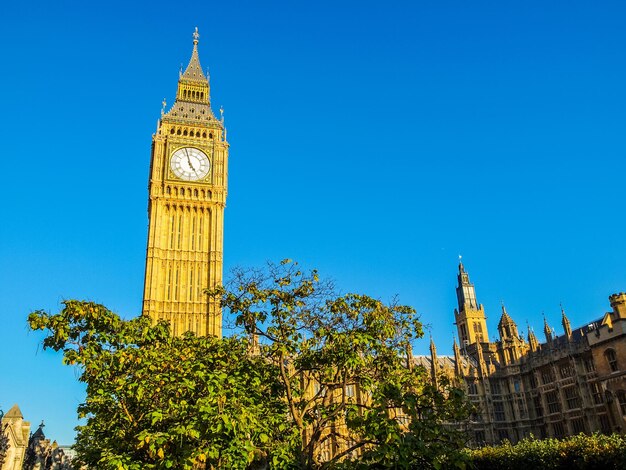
[(190, 164)]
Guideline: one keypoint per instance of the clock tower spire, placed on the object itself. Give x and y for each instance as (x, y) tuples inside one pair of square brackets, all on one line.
[(470, 317), (187, 196)]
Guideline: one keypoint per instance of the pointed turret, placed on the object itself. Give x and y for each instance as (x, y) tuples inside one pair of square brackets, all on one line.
[(193, 71), (567, 328), (511, 346), (507, 327), (532, 340), (433, 361), (39, 434), (458, 364), (547, 330)]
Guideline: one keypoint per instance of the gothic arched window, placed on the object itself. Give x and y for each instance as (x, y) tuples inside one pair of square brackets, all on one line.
[(611, 358)]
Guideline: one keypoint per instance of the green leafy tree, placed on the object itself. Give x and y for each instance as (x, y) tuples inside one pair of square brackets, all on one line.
[(155, 401), (316, 380), (345, 368)]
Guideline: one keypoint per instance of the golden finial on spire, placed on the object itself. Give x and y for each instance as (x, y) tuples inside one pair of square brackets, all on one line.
[(196, 35)]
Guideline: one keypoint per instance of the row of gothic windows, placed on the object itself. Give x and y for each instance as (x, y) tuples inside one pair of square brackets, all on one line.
[(191, 133), (193, 94), (173, 319), (169, 190), (173, 284), (194, 228)]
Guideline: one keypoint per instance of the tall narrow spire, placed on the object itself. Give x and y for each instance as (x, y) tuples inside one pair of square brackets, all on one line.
[(532, 339), (194, 69), (433, 361), (567, 327), (193, 97), (547, 330), (506, 327), (458, 366)]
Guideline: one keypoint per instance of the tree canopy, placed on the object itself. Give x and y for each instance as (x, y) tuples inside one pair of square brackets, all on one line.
[(308, 379), (346, 371), (155, 401)]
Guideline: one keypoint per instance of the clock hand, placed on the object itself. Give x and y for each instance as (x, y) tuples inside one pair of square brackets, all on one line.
[(189, 161)]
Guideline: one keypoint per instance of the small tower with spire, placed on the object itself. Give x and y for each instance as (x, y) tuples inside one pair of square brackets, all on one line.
[(511, 346), (507, 327), (567, 328), (433, 361), (458, 364), (547, 330), (533, 343), (470, 318)]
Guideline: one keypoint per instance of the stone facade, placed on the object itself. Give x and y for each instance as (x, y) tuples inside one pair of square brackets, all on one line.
[(27, 451), (187, 196), (571, 383), (42, 454), (17, 430)]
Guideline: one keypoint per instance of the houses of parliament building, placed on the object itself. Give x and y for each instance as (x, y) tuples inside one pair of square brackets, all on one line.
[(570, 383)]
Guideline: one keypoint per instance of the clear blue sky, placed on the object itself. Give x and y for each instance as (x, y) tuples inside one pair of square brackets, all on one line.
[(375, 141)]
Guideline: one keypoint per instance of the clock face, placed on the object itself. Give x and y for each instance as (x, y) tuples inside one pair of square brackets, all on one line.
[(190, 164)]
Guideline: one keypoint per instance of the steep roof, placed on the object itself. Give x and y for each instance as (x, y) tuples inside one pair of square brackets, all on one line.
[(14, 413), (38, 434), (505, 319), (194, 69)]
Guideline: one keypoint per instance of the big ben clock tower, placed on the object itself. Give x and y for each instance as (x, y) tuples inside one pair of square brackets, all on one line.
[(187, 195)]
